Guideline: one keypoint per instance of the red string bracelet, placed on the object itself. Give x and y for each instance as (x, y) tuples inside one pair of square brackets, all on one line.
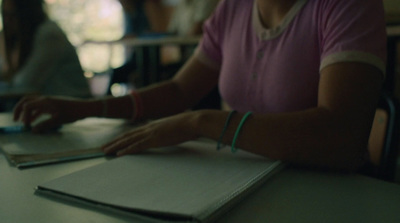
[(137, 104)]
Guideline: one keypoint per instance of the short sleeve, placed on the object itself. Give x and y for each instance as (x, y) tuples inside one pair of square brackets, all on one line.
[(209, 50), (353, 33)]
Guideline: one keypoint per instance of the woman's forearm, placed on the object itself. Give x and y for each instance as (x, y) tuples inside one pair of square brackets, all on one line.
[(313, 137), (192, 82), (158, 100)]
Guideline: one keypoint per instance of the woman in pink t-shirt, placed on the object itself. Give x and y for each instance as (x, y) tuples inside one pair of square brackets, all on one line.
[(303, 78)]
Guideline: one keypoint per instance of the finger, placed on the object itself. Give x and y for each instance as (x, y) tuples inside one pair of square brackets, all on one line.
[(112, 142), (46, 126), (35, 115), (122, 137), (19, 107), (135, 148), (123, 142), (28, 108), (34, 109), (115, 144), (26, 116), (118, 145)]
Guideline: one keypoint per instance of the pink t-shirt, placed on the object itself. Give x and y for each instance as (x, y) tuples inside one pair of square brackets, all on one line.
[(277, 70)]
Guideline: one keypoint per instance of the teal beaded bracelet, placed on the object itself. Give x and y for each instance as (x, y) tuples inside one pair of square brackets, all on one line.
[(228, 119), (233, 149)]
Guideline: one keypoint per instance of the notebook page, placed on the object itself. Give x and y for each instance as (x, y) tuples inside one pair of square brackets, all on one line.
[(192, 180)]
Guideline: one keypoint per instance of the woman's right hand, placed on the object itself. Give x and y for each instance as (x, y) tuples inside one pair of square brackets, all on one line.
[(60, 109)]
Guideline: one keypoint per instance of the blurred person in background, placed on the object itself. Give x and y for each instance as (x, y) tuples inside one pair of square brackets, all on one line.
[(37, 56)]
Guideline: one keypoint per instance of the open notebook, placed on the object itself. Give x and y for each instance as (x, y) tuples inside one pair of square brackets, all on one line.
[(79, 140), (191, 182)]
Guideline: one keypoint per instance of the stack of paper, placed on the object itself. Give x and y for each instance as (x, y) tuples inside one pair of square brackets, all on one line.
[(189, 182)]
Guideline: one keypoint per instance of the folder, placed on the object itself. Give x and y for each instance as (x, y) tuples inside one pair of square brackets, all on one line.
[(190, 182), (79, 140)]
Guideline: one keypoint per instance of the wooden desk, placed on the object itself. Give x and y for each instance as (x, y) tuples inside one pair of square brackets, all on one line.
[(292, 195)]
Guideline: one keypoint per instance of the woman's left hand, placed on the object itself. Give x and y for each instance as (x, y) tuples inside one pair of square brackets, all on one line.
[(163, 132)]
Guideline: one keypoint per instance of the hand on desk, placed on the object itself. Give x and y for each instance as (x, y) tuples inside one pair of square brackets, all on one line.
[(163, 132), (31, 108)]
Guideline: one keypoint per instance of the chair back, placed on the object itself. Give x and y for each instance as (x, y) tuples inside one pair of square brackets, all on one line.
[(383, 143)]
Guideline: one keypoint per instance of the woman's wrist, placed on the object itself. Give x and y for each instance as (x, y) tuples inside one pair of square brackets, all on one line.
[(108, 107), (89, 108), (136, 105), (194, 120), (203, 123)]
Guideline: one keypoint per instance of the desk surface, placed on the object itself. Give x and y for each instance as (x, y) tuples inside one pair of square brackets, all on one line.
[(290, 196), (154, 41)]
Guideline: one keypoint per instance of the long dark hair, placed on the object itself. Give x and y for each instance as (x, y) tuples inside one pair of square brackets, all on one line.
[(29, 14)]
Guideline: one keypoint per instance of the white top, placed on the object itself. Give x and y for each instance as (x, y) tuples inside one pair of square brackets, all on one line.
[(53, 67)]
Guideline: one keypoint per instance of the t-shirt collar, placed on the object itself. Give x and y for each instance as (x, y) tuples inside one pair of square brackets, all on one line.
[(265, 34)]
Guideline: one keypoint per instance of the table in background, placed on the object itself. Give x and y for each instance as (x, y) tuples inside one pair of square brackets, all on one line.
[(148, 57)]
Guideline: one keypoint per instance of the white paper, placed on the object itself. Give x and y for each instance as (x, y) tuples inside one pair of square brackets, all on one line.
[(192, 180)]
